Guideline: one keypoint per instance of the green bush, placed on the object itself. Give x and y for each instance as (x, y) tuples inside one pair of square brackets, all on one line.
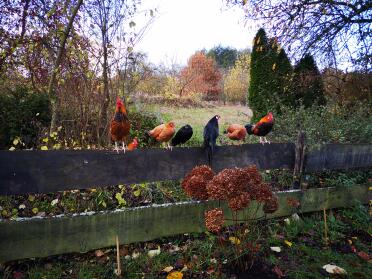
[(23, 114), (322, 124)]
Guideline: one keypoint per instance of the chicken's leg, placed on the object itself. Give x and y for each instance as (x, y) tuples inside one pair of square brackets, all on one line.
[(124, 147), (262, 141), (116, 147), (169, 147), (266, 141)]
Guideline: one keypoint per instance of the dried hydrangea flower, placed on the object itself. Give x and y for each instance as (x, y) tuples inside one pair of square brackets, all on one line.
[(195, 182), (271, 205), (214, 220)]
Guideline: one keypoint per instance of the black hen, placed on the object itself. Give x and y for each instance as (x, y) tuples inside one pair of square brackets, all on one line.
[(182, 135), (211, 133)]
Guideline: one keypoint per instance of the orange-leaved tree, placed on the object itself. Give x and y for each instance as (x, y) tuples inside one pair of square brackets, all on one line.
[(200, 76)]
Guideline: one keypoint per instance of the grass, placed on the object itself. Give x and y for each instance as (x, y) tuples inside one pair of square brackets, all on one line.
[(208, 256), (198, 117)]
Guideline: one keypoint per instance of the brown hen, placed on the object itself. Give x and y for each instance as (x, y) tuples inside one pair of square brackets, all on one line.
[(163, 133)]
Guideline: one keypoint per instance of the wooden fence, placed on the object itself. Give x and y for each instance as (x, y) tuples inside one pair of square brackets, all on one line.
[(24, 172)]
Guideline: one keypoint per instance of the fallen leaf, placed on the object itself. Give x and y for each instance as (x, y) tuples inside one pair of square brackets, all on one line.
[(12, 148), (288, 243), (31, 198), (173, 249), (363, 255), (99, 253), (334, 269), (153, 253), (22, 206), (35, 210), (295, 217), (175, 275), (184, 269), (135, 254), (18, 275), (278, 272), (210, 270), (15, 141), (54, 202), (137, 193), (276, 249), (168, 269), (44, 147), (234, 240)]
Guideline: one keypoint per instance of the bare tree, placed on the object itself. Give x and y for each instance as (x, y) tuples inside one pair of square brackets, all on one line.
[(51, 86), (106, 19), (333, 29)]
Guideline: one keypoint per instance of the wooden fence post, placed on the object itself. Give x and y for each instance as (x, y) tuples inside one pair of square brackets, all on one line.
[(299, 160)]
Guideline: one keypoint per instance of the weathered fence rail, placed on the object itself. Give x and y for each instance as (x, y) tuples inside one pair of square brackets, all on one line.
[(51, 171), (40, 237), (43, 172)]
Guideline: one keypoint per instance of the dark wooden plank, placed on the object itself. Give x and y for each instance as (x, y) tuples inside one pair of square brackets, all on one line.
[(339, 156), (52, 171), (35, 237)]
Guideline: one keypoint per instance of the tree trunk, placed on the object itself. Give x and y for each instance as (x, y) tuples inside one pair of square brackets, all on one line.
[(51, 86), (106, 92)]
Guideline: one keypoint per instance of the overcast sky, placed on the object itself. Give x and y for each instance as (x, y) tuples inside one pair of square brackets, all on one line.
[(185, 26)]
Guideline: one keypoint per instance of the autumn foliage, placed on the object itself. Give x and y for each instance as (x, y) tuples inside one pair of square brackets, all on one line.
[(200, 76)]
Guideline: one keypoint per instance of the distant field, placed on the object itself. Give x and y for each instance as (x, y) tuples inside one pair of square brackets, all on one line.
[(198, 117)]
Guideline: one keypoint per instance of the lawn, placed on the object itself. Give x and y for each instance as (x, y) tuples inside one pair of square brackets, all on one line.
[(199, 116)]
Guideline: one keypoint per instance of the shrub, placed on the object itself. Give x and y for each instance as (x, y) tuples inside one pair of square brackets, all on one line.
[(307, 83), (23, 114), (323, 125)]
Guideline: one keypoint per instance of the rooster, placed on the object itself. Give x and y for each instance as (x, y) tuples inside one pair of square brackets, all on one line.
[(120, 125), (163, 133), (236, 132), (182, 135), (262, 127), (211, 133)]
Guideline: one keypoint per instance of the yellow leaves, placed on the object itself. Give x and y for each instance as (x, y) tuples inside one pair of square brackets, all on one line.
[(273, 67), (15, 141), (44, 147), (45, 140), (35, 210), (57, 146), (119, 198), (12, 148), (234, 240), (175, 275), (137, 193), (31, 198), (289, 244)]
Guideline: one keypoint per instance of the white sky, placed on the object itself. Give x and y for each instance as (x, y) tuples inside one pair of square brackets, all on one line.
[(185, 26)]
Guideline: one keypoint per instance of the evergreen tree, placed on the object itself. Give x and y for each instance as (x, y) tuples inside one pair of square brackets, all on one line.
[(283, 75), (259, 89), (307, 83)]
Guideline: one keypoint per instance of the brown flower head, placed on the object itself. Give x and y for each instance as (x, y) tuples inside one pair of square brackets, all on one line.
[(239, 202), (271, 205), (195, 182), (214, 220)]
